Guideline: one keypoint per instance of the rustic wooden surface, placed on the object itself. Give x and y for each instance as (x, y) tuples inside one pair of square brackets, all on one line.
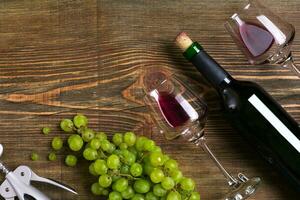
[(58, 58)]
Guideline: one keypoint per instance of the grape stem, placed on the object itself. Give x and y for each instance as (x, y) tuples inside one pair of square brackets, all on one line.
[(124, 175), (143, 156), (102, 153), (129, 176)]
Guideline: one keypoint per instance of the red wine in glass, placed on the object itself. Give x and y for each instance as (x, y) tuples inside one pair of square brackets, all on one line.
[(255, 38), (173, 106), (173, 109)]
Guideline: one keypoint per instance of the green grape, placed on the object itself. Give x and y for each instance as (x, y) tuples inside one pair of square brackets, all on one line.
[(95, 143), (136, 169), (133, 150), (46, 130), (71, 137), (146, 158), (157, 175), (159, 191), (71, 160), (52, 156), (67, 125), (105, 180), (138, 197), (194, 196), (120, 185), (176, 175), (157, 149), (140, 141), (171, 165), (173, 195), (105, 145), (75, 142), (92, 170), (187, 184), (128, 193), (166, 158), (167, 183), (117, 139), (130, 138), (80, 121), (87, 134), (151, 196), (105, 192), (141, 186), (34, 156), (115, 178), (90, 154), (123, 146), (125, 169), (96, 189), (128, 157), (111, 149), (101, 136), (117, 152), (156, 159), (125, 152), (115, 196), (100, 167), (57, 143), (149, 145), (113, 162), (148, 168)]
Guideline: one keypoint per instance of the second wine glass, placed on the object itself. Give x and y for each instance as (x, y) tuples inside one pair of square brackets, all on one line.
[(262, 35), (178, 112)]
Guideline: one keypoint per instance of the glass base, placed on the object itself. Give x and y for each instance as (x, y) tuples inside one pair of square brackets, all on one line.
[(243, 189)]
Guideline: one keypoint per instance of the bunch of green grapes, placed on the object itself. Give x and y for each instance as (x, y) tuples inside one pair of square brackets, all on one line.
[(127, 166)]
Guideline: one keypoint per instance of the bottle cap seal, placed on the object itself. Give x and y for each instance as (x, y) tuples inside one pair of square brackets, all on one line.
[(192, 50)]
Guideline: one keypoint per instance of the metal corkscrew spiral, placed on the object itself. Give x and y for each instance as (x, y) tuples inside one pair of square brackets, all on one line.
[(2, 166)]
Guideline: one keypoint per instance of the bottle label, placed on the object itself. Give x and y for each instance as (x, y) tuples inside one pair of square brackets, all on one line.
[(275, 122)]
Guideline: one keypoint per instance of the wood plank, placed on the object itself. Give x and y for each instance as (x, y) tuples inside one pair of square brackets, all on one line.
[(59, 58)]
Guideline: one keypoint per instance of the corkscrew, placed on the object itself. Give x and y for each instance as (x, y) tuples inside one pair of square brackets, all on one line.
[(18, 183)]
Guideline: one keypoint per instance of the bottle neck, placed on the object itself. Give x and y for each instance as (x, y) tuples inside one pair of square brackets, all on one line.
[(207, 66)]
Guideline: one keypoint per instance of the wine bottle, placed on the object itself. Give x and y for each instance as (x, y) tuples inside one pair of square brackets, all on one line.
[(255, 114)]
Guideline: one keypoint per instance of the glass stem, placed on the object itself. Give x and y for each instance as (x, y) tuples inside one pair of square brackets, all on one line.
[(289, 63), (231, 180)]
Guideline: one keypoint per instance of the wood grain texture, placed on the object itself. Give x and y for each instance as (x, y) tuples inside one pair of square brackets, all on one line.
[(58, 58)]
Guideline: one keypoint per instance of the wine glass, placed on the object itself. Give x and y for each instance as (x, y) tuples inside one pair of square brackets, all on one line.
[(263, 36), (178, 112)]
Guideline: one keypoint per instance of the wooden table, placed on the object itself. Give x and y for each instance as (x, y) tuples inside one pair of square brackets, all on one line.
[(58, 58)]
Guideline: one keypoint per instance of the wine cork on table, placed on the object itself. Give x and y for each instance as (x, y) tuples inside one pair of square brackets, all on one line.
[(183, 41)]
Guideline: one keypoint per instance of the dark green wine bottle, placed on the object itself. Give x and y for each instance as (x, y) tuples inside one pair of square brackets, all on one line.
[(255, 114)]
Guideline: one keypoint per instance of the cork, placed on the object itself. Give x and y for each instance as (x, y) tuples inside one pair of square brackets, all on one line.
[(183, 41)]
